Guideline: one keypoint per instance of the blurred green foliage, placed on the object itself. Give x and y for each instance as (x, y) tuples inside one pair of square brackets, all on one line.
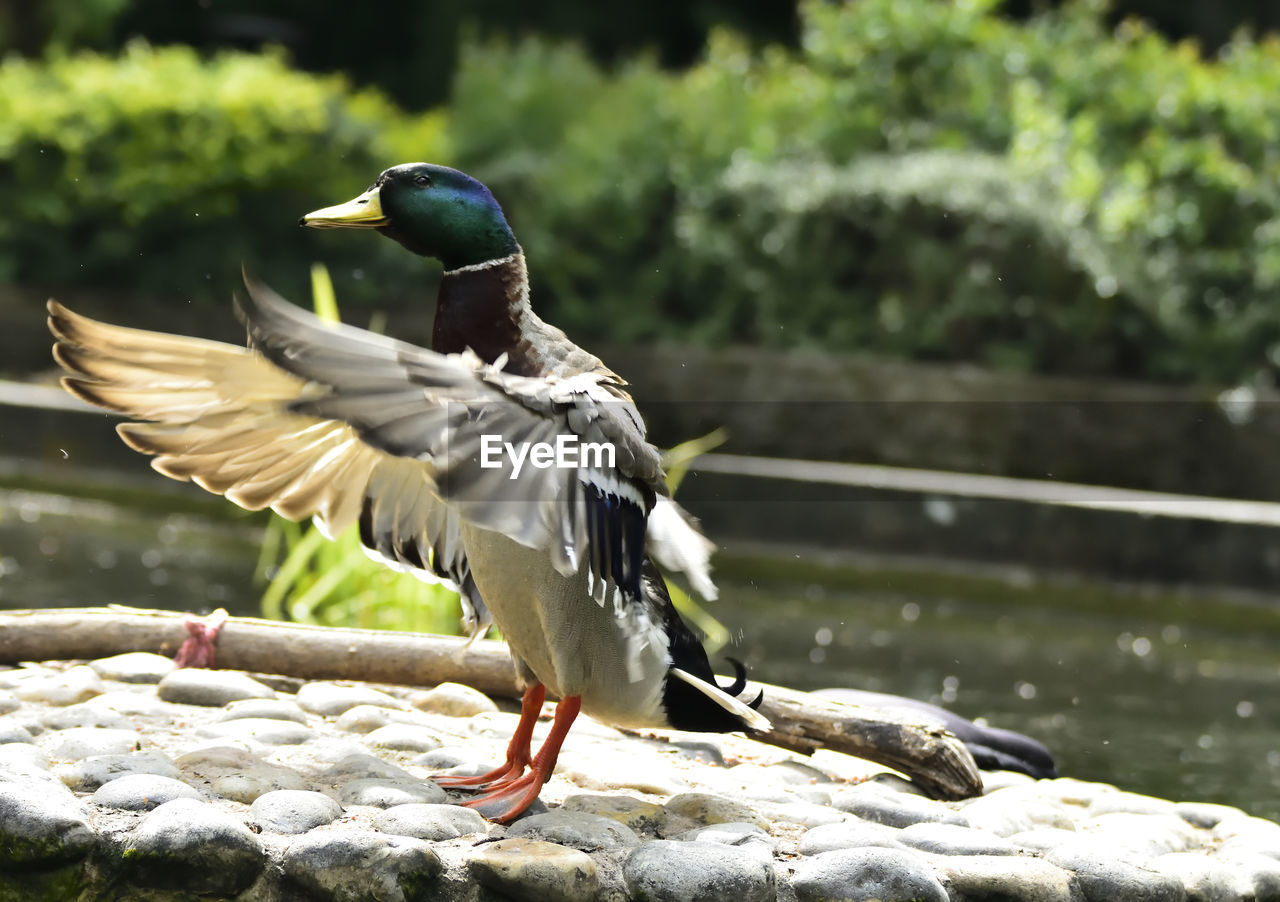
[(310, 579), (409, 48), (920, 178), (406, 48), (159, 172)]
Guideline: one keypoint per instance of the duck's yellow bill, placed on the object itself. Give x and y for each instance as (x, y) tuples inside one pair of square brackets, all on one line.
[(363, 212)]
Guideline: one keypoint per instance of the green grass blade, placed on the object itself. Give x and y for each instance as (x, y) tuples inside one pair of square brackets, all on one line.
[(323, 300), (290, 573), (676, 460)]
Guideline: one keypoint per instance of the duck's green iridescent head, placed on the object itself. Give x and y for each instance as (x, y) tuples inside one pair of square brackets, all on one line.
[(432, 210)]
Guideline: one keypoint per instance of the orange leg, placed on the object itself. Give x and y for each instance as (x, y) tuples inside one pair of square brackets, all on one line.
[(517, 750), (506, 801)]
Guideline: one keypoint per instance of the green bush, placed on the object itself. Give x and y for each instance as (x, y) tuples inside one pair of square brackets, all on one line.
[(158, 173), (922, 178), (580, 161)]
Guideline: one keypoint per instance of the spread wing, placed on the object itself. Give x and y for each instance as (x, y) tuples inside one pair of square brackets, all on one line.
[(587, 507), (218, 416), (347, 426)]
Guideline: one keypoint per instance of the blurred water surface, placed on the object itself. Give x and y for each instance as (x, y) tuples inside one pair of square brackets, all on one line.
[(1181, 710), (1176, 706)]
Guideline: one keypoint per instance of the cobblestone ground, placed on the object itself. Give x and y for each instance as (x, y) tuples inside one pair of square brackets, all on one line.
[(126, 779)]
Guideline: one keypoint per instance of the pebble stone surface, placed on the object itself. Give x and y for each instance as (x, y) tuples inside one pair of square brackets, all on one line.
[(126, 778)]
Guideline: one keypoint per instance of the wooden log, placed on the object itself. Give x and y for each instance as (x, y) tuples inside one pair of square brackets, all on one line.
[(925, 751), (266, 646)]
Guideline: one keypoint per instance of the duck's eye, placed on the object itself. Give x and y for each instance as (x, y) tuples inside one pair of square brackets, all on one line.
[(422, 181)]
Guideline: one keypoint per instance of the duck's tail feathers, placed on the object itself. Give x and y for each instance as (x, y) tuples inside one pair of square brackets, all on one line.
[(751, 719), (673, 539)]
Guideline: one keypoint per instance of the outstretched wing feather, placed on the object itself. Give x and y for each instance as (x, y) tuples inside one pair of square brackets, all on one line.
[(324, 420), (219, 416)]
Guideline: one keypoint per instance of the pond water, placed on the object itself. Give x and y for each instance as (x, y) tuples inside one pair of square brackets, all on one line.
[(1173, 708), (57, 551), (1155, 699)]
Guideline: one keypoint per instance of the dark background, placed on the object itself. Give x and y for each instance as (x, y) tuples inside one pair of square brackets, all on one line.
[(409, 47)]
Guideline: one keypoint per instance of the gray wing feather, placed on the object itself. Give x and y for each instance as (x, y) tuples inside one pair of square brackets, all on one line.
[(220, 415), (415, 403)]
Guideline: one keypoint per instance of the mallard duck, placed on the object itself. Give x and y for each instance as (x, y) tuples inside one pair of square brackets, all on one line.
[(347, 426)]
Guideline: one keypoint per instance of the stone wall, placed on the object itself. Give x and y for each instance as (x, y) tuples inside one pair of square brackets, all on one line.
[(960, 418)]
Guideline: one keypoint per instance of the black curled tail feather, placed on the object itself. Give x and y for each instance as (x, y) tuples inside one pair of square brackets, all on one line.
[(740, 682), (739, 676), (687, 707)]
